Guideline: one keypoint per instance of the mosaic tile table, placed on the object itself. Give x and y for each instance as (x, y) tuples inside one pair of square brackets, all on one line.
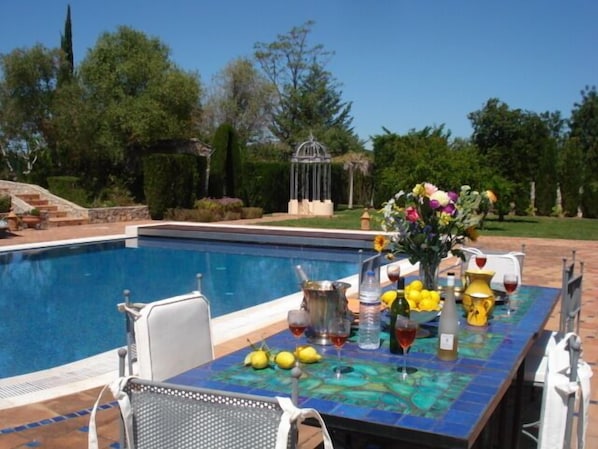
[(442, 404)]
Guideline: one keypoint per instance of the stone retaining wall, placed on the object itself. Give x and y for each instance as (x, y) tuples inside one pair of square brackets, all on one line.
[(117, 214)]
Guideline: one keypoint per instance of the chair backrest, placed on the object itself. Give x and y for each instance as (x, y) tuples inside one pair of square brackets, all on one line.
[(567, 385), (170, 336), (571, 297), (501, 264), (170, 416)]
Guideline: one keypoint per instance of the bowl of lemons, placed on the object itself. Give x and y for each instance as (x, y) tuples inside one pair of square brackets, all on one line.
[(424, 304)]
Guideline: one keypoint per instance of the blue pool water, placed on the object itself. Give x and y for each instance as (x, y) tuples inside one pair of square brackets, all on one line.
[(59, 305)]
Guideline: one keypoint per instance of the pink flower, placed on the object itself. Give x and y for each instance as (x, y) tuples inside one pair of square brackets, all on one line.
[(412, 214), (429, 188)]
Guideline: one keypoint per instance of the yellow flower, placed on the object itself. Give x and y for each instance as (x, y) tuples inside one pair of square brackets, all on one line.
[(419, 190), (380, 243), (491, 196), (472, 233), (445, 218)]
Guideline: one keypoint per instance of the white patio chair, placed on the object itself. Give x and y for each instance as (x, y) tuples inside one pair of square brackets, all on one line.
[(169, 336), (570, 314), (167, 416), (501, 264), (566, 393)]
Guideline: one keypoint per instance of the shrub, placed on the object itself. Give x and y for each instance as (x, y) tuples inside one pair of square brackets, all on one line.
[(5, 203), (170, 181), (195, 215), (68, 187), (252, 212)]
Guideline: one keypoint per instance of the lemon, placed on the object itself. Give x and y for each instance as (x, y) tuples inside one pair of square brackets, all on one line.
[(435, 296), (412, 304), (425, 293), (308, 354), (285, 360), (417, 285), (415, 296), (247, 360), (388, 297), (259, 359), (428, 305)]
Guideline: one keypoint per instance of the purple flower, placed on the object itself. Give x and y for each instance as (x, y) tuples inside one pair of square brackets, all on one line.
[(434, 204), (453, 196)]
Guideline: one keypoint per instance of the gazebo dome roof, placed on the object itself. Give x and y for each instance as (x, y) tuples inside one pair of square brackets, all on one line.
[(311, 151)]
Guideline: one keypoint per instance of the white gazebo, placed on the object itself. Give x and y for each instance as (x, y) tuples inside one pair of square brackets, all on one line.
[(311, 180)]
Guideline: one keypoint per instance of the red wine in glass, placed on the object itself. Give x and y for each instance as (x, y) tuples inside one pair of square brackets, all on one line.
[(405, 336), (510, 286), (297, 330), (338, 340), (405, 331), (510, 282), (480, 260), (339, 331), (394, 273)]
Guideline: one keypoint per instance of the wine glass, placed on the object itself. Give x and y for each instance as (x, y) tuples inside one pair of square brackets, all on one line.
[(339, 331), (393, 271), (480, 260), (298, 320), (405, 330), (510, 281)]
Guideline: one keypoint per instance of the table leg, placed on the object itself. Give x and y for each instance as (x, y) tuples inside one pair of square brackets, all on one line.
[(518, 404)]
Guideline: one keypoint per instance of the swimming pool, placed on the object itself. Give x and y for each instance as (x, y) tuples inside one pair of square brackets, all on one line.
[(59, 304)]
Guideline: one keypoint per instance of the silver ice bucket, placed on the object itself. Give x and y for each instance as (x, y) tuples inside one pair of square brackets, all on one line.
[(325, 301)]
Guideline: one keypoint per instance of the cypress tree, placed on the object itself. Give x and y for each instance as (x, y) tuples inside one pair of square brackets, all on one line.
[(66, 45)]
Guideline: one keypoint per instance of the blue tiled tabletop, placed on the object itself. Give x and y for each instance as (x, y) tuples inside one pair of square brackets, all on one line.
[(445, 404)]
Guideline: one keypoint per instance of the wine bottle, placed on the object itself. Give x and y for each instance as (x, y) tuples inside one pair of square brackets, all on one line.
[(399, 306), (448, 326)]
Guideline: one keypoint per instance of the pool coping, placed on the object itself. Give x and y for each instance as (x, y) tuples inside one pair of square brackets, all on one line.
[(101, 369)]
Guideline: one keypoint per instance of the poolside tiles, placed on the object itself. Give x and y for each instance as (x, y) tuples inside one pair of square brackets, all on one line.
[(43, 434)]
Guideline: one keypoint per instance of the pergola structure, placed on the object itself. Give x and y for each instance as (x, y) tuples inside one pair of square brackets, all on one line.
[(311, 180)]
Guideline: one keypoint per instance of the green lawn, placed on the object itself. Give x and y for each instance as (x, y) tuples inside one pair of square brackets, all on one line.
[(543, 227)]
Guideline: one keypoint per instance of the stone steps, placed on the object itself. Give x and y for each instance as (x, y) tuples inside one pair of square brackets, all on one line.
[(55, 216)]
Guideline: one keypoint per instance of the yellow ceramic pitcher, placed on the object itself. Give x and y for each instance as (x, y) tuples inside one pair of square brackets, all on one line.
[(478, 285), (480, 307)]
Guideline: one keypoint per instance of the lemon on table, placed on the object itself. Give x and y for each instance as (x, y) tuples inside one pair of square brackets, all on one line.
[(285, 360), (308, 354), (428, 305), (259, 359), (415, 296), (388, 297), (416, 285), (435, 296)]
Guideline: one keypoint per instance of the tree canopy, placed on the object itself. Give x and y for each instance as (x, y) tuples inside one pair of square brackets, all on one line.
[(309, 100)]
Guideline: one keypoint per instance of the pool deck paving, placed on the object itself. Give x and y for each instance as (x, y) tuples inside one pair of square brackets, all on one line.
[(62, 422)]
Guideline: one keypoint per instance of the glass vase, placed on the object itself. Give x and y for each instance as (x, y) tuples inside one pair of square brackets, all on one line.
[(428, 274)]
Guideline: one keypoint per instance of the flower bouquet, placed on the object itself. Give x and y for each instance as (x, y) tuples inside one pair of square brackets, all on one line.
[(427, 223)]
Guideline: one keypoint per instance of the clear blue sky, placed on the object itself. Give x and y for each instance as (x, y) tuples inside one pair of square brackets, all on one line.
[(404, 64)]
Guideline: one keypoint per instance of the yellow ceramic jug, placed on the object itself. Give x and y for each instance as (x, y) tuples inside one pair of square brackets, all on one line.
[(480, 307), (478, 284)]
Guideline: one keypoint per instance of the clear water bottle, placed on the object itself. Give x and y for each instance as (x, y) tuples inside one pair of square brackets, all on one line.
[(369, 312)]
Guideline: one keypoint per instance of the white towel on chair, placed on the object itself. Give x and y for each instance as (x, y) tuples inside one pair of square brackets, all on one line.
[(557, 389)]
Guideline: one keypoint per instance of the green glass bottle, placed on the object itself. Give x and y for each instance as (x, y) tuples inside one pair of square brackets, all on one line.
[(399, 306)]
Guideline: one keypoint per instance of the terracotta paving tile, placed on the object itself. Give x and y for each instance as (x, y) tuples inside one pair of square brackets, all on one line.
[(542, 266)]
